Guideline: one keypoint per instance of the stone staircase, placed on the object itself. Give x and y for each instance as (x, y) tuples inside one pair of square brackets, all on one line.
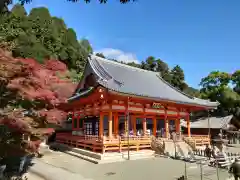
[(168, 147), (99, 158), (185, 150)]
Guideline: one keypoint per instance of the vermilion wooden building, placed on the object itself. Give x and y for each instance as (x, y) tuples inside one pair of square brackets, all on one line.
[(112, 94)]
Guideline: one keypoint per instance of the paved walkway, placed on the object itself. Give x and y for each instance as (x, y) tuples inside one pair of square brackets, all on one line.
[(33, 176), (53, 172), (60, 166), (235, 149)]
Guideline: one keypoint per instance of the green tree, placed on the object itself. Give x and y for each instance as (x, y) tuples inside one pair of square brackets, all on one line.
[(29, 47), (100, 55), (178, 78), (19, 11), (163, 69), (216, 79), (41, 37), (192, 91), (216, 87), (133, 64), (236, 81), (41, 25), (150, 63), (12, 25), (84, 43), (214, 84)]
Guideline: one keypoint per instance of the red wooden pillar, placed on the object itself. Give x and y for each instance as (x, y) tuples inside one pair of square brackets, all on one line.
[(177, 123), (73, 119), (100, 131), (188, 125), (116, 123), (166, 124), (154, 126), (110, 124), (144, 126), (134, 125)]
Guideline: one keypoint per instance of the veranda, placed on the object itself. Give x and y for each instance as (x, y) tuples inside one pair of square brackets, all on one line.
[(118, 127)]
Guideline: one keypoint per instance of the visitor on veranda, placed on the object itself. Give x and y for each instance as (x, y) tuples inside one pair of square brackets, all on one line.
[(131, 133), (235, 169)]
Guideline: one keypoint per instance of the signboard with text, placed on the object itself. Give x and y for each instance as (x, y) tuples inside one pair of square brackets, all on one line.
[(157, 105)]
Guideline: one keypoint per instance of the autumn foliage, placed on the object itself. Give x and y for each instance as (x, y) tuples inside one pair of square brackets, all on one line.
[(34, 85), (31, 94)]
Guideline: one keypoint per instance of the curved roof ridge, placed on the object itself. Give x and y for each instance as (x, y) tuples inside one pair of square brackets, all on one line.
[(101, 71), (120, 64)]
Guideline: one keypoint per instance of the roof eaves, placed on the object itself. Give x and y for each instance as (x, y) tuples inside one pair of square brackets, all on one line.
[(81, 94), (142, 95), (104, 80)]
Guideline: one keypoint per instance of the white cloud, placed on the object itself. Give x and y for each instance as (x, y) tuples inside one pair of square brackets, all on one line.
[(119, 55)]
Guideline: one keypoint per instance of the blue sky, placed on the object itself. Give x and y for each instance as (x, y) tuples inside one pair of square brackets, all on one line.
[(199, 35)]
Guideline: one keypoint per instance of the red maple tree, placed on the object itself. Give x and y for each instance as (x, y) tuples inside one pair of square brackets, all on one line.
[(30, 95)]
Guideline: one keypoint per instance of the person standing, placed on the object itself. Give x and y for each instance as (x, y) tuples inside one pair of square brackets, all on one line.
[(208, 152), (235, 169)]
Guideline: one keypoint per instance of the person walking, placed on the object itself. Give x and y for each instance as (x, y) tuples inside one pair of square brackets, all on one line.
[(235, 169)]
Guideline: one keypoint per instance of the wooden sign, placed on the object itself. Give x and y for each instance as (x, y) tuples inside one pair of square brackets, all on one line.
[(157, 105)]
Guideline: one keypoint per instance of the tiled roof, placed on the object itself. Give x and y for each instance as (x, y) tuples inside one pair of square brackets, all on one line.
[(134, 81), (214, 122)]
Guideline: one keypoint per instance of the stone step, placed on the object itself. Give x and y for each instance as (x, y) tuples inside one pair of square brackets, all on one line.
[(81, 156), (98, 158), (132, 153), (108, 159)]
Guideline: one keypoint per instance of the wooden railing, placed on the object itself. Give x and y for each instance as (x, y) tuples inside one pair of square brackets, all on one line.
[(197, 140), (123, 143), (104, 144), (87, 142)]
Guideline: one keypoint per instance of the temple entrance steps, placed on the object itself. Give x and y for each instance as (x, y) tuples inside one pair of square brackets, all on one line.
[(99, 158), (184, 150), (170, 148)]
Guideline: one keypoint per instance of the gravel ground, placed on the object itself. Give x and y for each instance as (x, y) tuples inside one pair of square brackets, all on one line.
[(152, 169)]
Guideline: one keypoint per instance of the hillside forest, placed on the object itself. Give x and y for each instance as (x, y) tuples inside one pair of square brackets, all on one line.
[(41, 61)]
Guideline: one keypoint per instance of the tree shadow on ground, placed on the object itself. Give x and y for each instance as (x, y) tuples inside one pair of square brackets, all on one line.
[(14, 168), (55, 146)]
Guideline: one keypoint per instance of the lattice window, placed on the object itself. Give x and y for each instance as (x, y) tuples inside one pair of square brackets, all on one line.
[(97, 128), (88, 128)]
